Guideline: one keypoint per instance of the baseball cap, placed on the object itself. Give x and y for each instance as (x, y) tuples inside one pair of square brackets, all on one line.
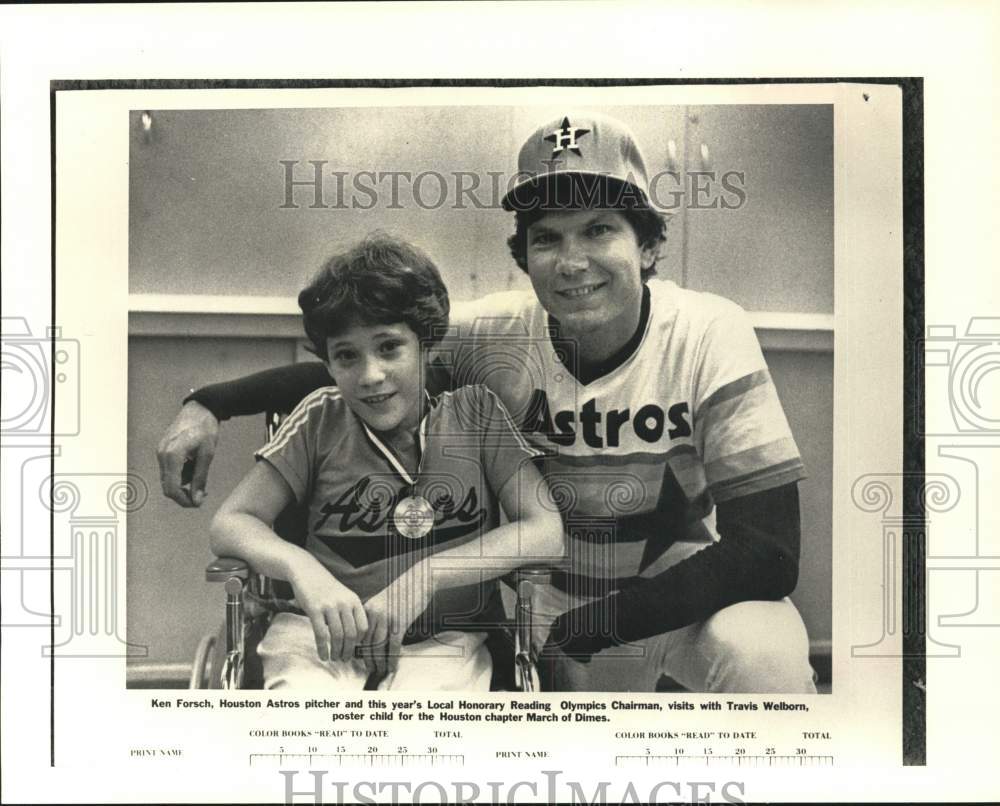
[(579, 160)]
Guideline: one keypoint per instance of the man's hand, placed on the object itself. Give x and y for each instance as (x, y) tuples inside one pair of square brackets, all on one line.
[(337, 615), (575, 634), (191, 437), (554, 648)]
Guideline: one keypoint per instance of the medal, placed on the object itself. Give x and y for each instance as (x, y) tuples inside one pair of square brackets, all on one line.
[(413, 517)]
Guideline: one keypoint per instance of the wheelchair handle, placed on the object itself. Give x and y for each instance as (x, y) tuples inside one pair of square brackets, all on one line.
[(536, 572)]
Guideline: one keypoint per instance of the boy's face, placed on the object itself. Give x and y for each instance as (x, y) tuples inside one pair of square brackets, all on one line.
[(585, 267), (378, 371)]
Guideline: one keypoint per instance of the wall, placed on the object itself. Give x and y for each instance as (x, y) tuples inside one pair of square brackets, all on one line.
[(206, 190), (170, 606), (205, 195)]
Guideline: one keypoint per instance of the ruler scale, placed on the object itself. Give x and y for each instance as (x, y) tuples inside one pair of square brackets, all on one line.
[(723, 760), (357, 759)]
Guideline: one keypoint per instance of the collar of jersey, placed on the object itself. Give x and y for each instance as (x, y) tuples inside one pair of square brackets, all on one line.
[(592, 372)]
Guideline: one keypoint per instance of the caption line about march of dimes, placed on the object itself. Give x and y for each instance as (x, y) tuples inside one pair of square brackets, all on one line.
[(433, 709), (766, 723)]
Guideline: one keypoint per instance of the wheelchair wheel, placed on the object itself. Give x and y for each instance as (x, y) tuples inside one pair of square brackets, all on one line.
[(528, 679), (202, 662), (209, 661)]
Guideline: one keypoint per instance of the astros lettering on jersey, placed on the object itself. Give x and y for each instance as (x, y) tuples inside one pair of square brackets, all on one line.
[(642, 453)]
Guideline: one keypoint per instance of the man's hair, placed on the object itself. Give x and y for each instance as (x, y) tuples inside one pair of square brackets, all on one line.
[(380, 281)]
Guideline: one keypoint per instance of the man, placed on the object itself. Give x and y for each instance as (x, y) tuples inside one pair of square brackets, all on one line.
[(657, 415)]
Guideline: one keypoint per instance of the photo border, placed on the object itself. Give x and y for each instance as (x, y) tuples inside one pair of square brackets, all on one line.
[(914, 548)]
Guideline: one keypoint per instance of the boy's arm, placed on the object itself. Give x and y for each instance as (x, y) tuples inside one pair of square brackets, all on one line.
[(534, 534), (241, 529), (535, 530), (193, 434)]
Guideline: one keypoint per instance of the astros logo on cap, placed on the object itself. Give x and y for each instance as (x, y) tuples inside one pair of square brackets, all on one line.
[(608, 159), (565, 137)]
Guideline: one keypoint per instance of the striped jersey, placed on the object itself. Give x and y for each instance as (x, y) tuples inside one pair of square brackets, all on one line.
[(351, 483), (637, 457)]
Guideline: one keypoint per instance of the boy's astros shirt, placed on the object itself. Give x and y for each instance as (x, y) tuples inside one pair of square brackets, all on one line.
[(352, 484)]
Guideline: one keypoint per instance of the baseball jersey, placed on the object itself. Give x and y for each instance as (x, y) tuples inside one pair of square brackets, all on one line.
[(638, 457), (352, 482)]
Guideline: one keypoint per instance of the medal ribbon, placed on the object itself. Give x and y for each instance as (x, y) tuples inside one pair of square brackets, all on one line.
[(413, 504), (391, 457)]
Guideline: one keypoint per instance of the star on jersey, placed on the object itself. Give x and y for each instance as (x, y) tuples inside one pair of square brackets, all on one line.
[(565, 137)]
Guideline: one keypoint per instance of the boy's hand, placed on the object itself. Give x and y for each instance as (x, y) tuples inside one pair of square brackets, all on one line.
[(337, 615), (390, 613)]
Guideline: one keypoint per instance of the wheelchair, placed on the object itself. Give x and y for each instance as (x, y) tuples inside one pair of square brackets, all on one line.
[(228, 659)]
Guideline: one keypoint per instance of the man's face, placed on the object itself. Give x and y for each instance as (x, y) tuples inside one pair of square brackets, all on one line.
[(378, 371), (585, 266)]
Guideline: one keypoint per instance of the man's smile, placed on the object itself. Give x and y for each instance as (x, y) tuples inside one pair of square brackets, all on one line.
[(374, 400), (581, 291)]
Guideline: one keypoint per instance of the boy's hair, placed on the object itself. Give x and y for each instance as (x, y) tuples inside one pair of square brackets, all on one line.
[(649, 225), (380, 281)]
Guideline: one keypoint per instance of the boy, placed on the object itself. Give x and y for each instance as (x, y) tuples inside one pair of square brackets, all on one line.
[(404, 543)]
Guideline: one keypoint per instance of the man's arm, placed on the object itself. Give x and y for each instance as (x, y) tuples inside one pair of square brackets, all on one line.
[(278, 389), (756, 558), (191, 438), (193, 434)]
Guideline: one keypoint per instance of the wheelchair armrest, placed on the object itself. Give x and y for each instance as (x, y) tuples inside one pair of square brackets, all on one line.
[(223, 568), (540, 572), (526, 577)]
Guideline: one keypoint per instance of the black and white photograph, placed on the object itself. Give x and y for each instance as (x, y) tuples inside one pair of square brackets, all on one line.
[(452, 413), (478, 403), (634, 302)]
